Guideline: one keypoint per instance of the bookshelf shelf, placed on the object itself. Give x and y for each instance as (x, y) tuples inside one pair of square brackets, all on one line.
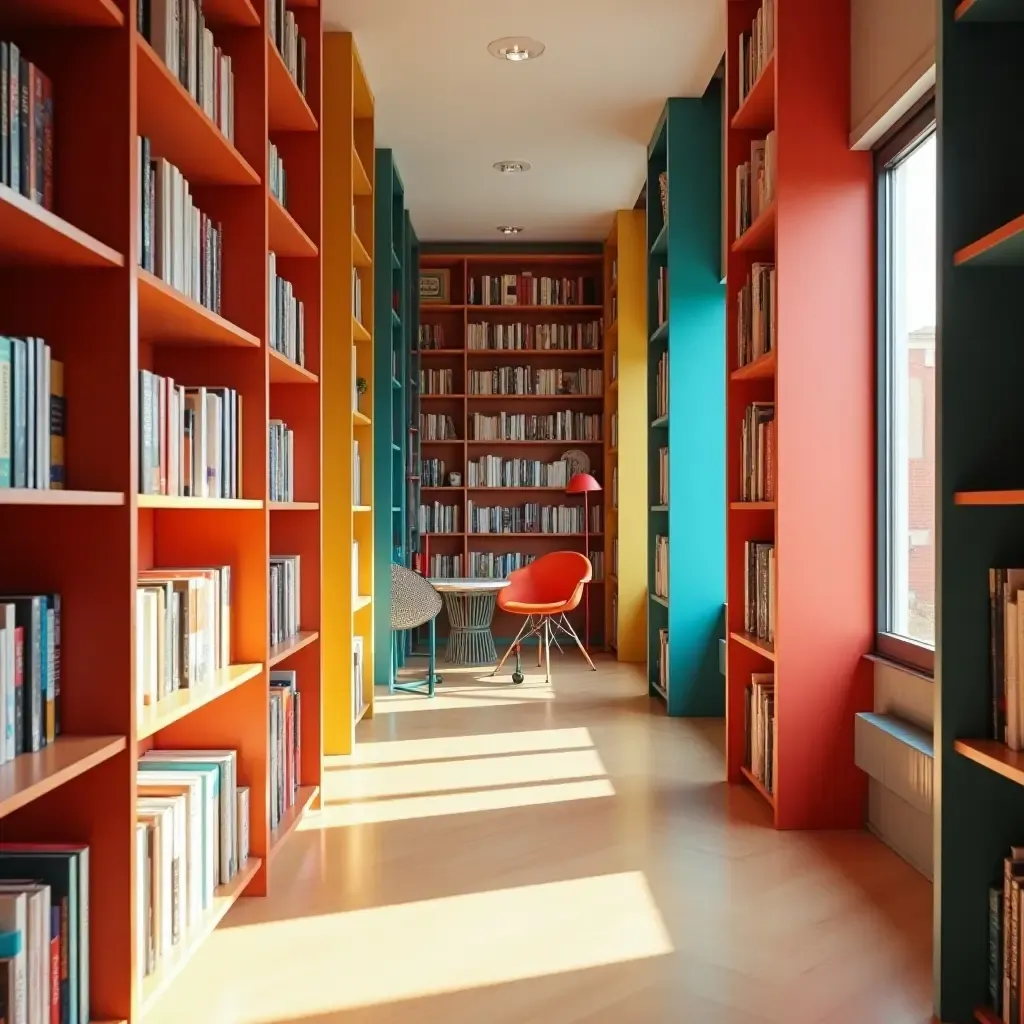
[(361, 602), (757, 112), (496, 308), (166, 712), (64, 13), (995, 756), (753, 643), (988, 10), (989, 498), (758, 785), (659, 245), (167, 317), (762, 368), (983, 1015), (658, 599), (360, 332), (286, 236), (752, 506), (1003, 247), (294, 506), (362, 508), (30, 496), (184, 504), (31, 776), (294, 644), (360, 255), (30, 234), (230, 13), (287, 825), (660, 334), (361, 418), (760, 236), (179, 128), (284, 371), (360, 179), (526, 444), (288, 109), (174, 961)]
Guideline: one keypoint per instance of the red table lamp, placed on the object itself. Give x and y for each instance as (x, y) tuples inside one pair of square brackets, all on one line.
[(584, 483)]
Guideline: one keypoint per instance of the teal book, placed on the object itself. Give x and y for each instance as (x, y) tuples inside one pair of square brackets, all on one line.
[(6, 380)]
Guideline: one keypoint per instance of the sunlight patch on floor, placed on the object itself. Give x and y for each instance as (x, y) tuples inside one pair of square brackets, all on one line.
[(490, 694), (386, 954)]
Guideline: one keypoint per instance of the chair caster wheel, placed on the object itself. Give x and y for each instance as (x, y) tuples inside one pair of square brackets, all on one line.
[(517, 678), (438, 680)]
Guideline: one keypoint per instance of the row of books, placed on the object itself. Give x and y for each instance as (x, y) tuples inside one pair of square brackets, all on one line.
[(613, 429), (662, 682), (287, 317), (439, 518), (436, 426), (614, 489), (430, 337), (358, 700), (176, 29), (756, 48), (528, 290), (192, 836), (30, 665), (281, 454), (755, 182), (661, 566), (614, 638), (490, 565), (32, 415), (759, 589), (26, 127), (446, 567), (437, 382), (531, 517), (290, 43), (177, 241), (661, 387), (663, 476), (520, 337), (597, 564), (433, 473), (757, 453), (276, 176), (759, 728), (183, 629), (285, 743), (661, 303), (285, 588), (756, 319), (357, 474), (615, 556), (357, 295), (190, 439), (44, 933), (566, 425), (494, 471), (525, 380), (1006, 622)]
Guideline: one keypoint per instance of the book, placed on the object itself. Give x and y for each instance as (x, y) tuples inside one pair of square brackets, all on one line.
[(26, 127), (285, 588), (287, 317), (290, 43), (281, 457)]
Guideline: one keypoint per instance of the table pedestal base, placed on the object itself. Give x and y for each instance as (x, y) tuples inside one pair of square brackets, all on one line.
[(470, 641)]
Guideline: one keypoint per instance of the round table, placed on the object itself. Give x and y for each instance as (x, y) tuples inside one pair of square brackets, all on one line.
[(470, 606)]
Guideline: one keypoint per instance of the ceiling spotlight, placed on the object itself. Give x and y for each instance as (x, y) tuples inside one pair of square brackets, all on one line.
[(507, 229), (516, 48), (512, 166)]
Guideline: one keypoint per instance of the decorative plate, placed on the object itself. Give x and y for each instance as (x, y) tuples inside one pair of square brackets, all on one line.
[(576, 461)]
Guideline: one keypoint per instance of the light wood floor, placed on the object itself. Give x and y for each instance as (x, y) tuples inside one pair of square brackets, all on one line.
[(559, 855)]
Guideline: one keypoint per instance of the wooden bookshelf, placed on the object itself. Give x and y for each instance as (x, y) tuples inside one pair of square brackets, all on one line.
[(685, 244), (454, 320), (824, 398), (979, 781), (348, 245), (72, 276), (625, 462), (391, 400)]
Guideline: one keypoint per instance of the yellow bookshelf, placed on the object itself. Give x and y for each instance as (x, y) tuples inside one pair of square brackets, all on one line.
[(625, 372), (348, 157)]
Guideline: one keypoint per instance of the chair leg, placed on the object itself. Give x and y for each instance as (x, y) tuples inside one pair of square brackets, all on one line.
[(511, 646), (547, 648), (394, 663), (542, 640), (432, 657), (567, 626)]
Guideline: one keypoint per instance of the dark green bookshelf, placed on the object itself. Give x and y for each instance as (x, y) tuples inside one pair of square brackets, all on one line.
[(687, 144), (979, 786)]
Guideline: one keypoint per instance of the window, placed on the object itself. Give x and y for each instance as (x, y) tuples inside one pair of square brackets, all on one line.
[(906, 166)]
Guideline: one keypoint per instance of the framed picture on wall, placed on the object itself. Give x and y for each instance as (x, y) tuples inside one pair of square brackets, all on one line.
[(435, 285)]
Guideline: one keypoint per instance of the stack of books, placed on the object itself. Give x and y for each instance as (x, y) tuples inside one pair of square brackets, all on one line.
[(522, 337), (494, 471), (285, 587), (32, 415)]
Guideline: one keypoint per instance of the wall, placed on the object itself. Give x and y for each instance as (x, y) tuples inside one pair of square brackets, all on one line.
[(893, 63)]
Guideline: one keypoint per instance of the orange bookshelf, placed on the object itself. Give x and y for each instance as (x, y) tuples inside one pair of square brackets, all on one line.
[(824, 413), (72, 276), (450, 323)]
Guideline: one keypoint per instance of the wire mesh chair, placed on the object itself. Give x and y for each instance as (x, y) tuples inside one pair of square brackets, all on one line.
[(414, 603)]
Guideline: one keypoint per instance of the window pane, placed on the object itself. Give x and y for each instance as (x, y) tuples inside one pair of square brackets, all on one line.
[(911, 350)]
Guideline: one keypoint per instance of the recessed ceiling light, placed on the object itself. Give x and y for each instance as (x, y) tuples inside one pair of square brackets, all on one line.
[(507, 229), (516, 48), (512, 166)]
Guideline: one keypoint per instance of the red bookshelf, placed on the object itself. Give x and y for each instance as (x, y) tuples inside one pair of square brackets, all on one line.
[(453, 319), (817, 230)]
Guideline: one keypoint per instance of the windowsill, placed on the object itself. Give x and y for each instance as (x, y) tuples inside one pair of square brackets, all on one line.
[(881, 659)]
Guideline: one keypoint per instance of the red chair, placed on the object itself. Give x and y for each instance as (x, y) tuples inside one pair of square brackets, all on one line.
[(545, 591)]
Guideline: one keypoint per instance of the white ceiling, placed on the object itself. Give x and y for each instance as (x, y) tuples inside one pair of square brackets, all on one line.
[(582, 114)]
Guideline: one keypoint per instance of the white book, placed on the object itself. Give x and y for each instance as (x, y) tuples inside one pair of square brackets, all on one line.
[(195, 399), (14, 918), (36, 942), (178, 809), (162, 894)]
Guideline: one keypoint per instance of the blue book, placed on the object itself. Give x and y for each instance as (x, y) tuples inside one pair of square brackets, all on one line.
[(19, 412), (6, 432)]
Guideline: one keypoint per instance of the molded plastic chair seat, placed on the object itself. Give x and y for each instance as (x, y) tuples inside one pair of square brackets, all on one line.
[(526, 608)]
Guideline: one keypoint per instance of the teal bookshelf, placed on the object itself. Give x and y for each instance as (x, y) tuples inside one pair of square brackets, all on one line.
[(394, 315), (686, 325), (979, 782)]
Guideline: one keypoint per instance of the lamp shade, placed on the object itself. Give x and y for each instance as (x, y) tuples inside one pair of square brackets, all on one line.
[(582, 482)]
